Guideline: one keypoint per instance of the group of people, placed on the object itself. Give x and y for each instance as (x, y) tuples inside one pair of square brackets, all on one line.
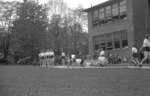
[(142, 55), (138, 56), (50, 57), (53, 57), (46, 58)]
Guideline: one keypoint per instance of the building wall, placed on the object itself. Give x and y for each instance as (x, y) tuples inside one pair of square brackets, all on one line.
[(105, 29), (134, 24), (90, 29), (140, 21)]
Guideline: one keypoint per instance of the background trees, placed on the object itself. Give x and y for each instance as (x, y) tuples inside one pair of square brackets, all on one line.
[(29, 30), (7, 16), (68, 34), (32, 27)]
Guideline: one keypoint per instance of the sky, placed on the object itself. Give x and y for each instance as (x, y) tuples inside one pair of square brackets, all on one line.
[(74, 3)]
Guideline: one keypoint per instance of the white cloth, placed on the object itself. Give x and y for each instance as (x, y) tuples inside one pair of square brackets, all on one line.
[(47, 54), (62, 54), (73, 56), (102, 60), (78, 61), (51, 53), (102, 53), (134, 50), (146, 43), (41, 54)]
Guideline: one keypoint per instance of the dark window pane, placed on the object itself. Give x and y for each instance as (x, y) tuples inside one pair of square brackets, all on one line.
[(96, 46), (117, 44), (109, 45), (102, 44), (104, 48), (124, 43)]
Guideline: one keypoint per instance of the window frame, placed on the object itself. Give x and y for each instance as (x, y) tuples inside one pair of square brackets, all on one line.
[(108, 11), (124, 37), (115, 9), (123, 9)]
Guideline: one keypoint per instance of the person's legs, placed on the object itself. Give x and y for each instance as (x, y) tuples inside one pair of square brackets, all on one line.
[(137, 60), (145, 57), (149, 56)]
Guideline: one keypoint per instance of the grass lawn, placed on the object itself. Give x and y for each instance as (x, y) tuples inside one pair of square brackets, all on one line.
[(37, 81)]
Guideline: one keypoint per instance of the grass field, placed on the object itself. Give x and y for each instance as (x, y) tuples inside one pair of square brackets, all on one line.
[(37, 81)]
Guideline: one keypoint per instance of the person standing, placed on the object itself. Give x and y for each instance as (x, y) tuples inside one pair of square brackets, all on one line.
[(146, 49), (51, 57), (102, 58), (63, 58), (73, 58), (102, 52), (135, 55)]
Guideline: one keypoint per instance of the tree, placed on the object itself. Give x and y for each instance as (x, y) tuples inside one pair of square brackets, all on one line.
[(29, 30), (66, 30), (7, 15), (66, 34)]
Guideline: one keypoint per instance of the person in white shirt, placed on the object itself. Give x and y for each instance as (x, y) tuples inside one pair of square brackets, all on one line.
[(102, 59), (146, 49), (73, 58), (51, 53), (51, 57), (102, 52), (42, 58), (63, 58), (135, 55)]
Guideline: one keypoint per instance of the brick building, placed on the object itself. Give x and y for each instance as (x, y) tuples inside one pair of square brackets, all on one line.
[(116, 25)]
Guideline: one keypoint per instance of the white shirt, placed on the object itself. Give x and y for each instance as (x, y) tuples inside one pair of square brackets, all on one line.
[(73, 56), (134, 50), (102, 53), (41, 54), (62, 54), (51, 53), (78, 60), (46, 54), (146, 43), (101, 58)]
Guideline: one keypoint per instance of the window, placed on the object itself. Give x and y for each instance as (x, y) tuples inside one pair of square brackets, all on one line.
[(103, 45), (124, 39), (109, 43), (101, 14), (116, 37), (123, 9), (96, 47), (115, 11), (95, 14), (95, 17), (96, 44), (108, 12), (102, 41)]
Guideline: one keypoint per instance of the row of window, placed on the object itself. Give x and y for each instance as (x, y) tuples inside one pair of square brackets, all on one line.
[(111, 41), (110, 12)]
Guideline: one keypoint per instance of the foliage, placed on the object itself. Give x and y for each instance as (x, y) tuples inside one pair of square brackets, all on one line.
[(7, 15), (29, 30), (67, 34)]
